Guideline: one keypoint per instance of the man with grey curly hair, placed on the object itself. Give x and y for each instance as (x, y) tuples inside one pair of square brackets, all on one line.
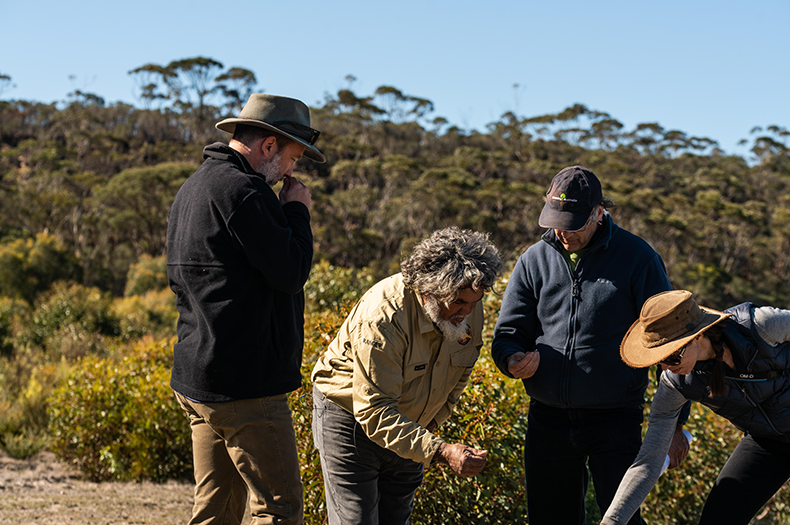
[(394, 373)]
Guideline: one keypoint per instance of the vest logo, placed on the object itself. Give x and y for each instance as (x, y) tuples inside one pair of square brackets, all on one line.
[(746, 376), (468, 337), (420, 367)]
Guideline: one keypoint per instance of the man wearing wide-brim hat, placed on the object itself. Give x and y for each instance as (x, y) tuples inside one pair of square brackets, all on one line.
[(238, 255)]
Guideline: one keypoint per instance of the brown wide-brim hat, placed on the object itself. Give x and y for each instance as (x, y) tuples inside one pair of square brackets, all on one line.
[(287, 116), (668, 322)]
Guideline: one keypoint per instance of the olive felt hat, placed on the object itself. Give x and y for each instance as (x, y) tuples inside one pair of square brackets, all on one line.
[(287, 116), (571, 197), (668, 322)]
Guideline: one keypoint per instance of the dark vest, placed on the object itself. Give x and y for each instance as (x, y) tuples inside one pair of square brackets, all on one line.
[(758, 402)]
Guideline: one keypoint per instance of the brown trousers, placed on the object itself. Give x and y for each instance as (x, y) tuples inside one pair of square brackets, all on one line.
[(241, 448)]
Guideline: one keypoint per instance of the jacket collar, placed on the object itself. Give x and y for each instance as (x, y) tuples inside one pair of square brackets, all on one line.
[(223, 152)]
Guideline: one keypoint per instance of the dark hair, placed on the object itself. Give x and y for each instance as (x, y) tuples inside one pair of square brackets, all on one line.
[(247, 134), (715, 334)]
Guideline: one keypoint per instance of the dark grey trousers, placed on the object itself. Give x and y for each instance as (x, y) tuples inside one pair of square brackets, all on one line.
[(364, 483)]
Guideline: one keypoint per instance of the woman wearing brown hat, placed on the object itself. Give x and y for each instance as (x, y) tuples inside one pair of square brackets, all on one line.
[(737, 363)]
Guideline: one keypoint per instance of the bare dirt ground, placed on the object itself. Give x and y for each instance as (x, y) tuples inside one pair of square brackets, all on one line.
[(42, 490)]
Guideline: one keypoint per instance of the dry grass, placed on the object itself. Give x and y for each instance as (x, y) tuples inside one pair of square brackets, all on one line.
[(42, 490)]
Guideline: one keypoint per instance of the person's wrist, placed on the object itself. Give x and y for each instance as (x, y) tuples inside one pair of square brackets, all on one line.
[(438, 457)]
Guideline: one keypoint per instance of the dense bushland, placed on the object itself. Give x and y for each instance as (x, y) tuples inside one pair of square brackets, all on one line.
[(87, 320), (116, 419)]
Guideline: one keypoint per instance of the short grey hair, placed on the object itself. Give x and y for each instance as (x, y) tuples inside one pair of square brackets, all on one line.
[(449, 261)]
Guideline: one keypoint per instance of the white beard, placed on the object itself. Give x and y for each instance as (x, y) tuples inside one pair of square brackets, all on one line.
[(450, 331)]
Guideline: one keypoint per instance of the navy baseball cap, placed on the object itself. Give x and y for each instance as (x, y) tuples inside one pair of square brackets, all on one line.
[(572, 195)]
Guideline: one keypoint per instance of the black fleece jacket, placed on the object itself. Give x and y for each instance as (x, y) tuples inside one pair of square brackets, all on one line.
[(237, 261)]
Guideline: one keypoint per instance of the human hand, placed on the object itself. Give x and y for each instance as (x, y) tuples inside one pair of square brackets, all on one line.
[(463, 460), (678, 449), (523, 365), (294, 190)]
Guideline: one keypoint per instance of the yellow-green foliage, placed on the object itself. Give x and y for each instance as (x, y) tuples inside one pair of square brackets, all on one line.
[(23, 404), (72, 320), (153, 313), (118, 419), (148, 273), (30, 266), (332, 287), (14, 314)]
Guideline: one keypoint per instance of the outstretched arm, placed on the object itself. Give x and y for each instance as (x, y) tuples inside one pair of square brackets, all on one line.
[(644, 472)]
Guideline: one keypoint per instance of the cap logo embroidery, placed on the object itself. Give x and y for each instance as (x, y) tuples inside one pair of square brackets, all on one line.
[(563, 198)]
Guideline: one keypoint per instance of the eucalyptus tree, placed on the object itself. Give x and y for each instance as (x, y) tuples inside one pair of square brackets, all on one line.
[(5, 83), (196, 88)]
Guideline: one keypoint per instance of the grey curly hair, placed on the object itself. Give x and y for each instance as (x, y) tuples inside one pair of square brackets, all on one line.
[(450, 260)]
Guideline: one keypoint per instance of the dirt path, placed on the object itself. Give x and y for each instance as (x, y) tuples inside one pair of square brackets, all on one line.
[(41, 490)]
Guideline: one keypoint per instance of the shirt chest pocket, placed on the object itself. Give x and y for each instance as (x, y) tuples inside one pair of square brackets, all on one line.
[(465, 358)]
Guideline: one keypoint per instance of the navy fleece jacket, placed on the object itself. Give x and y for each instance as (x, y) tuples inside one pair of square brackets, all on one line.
[(577, 319)]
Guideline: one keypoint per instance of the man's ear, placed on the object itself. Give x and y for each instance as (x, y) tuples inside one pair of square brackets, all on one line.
[(269, 147)]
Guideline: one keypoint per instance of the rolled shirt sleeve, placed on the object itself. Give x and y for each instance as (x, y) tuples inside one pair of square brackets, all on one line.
[(377, 388)]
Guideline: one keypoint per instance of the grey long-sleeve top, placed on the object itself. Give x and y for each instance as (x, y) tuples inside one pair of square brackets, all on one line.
[(773, 325)]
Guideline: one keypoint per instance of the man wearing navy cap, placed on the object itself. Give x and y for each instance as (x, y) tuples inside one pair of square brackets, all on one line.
[(569, 301)]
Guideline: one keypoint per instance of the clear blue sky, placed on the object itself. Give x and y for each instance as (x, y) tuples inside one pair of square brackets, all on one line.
[(708, 68)]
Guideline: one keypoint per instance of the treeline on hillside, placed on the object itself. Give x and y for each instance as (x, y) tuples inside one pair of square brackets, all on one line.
[(98, 178)]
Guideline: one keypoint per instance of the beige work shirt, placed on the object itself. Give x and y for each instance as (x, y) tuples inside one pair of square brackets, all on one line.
[(392, 369)]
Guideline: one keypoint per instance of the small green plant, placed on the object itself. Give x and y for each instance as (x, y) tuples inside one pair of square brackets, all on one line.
[(117, 419)]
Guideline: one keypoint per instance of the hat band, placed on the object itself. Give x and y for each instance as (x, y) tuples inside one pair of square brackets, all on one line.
[(305, 133), (671, 337)]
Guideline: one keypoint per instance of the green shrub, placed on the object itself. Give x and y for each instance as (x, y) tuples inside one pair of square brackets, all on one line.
[(14, 315), (23, 404), (148, 273), (333, 287), (30, 266), (119, 420), (151, 314), (492, 416), (73, 320)]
